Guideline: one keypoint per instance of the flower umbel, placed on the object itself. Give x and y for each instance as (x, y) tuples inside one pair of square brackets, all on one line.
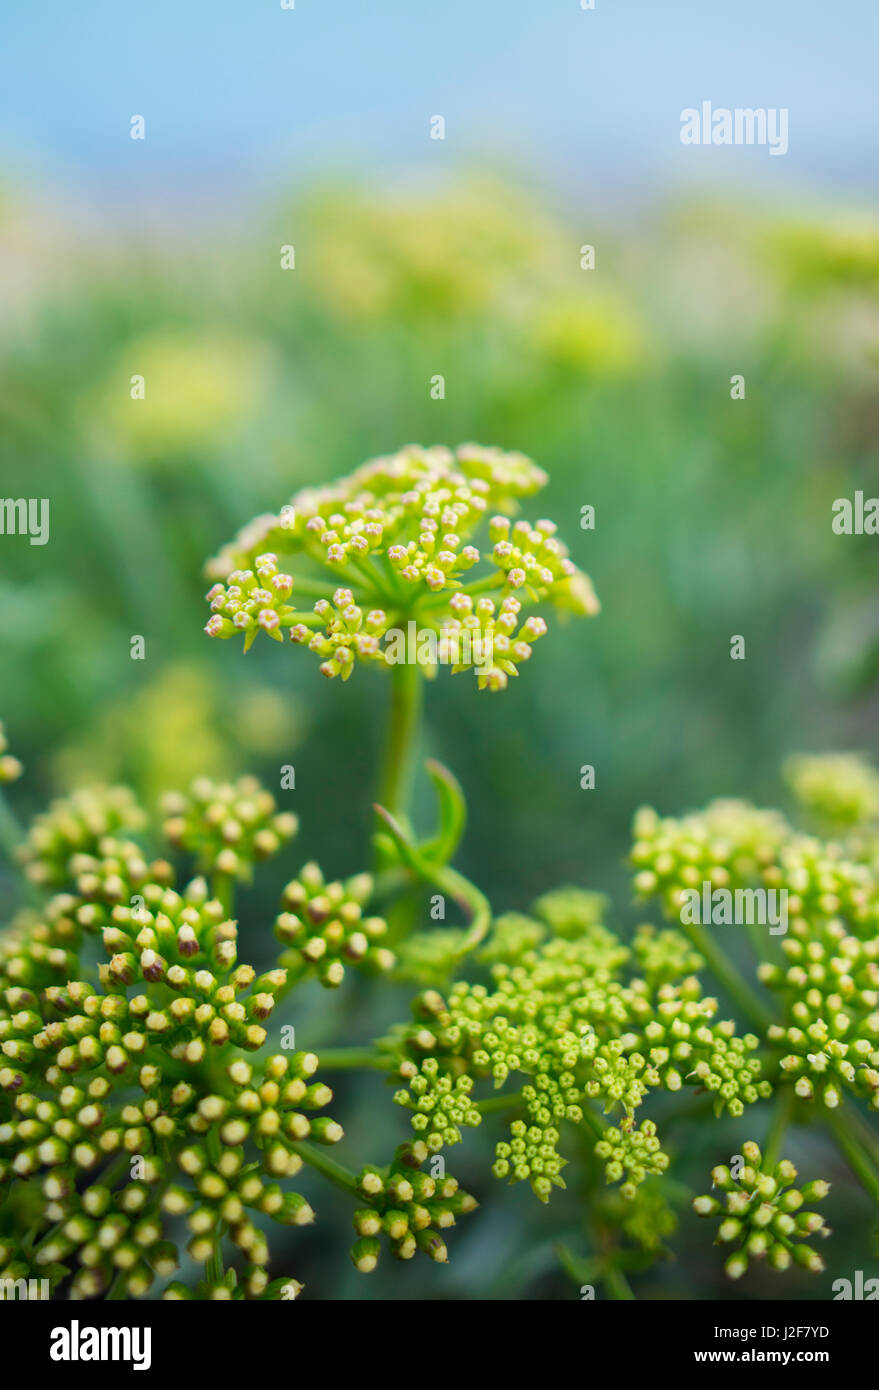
[(764, 1215), (422, 536)]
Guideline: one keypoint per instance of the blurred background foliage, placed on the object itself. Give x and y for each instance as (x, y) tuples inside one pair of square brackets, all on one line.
[(712, 519)]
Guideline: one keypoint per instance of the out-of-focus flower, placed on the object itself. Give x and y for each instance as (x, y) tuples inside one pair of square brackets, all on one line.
[(197, 387), (74, 825), (821, 255), (601, 337), (175, 727), (10, 768), (839, 789), (451, 254)]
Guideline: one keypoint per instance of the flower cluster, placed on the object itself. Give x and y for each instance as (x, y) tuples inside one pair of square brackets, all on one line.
[(399, 534), (75, 825), (826, 1037), (727, 845), (840, 790), (226, 825), (764, 1214), (632, 1152), (140, 1108), (324, 927), (560, 1015), (131, 1103), (407, 1206)]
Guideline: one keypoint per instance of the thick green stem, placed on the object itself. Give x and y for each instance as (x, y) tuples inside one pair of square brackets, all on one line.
[(402, 734)]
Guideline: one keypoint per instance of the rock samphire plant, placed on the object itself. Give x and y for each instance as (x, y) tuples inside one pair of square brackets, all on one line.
[(152, 1121)]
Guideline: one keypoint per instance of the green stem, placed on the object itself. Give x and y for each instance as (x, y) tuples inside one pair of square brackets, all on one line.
[(473, 902), (116, 1291), (478, 586), (11, 836), (401, 737), (617, 1284), (351, 1058), (781, 1118), (386, 597), (223, 888), (861, 1128), (304, 617), (322, 1163), (213, 1269), (859, 1160), (727, 975), (594, 1122), (309, 589), (505, 1102)]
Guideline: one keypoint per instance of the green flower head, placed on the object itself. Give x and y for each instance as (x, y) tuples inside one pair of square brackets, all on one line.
[(763, 1215), (413, 557)]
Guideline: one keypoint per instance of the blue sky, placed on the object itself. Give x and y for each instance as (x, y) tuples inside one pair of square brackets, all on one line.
[(237, 93)]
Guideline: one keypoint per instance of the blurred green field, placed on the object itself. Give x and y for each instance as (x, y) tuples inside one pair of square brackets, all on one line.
[(712, 519)]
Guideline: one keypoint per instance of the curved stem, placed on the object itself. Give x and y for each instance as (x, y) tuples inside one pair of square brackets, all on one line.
[(473, 902)]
